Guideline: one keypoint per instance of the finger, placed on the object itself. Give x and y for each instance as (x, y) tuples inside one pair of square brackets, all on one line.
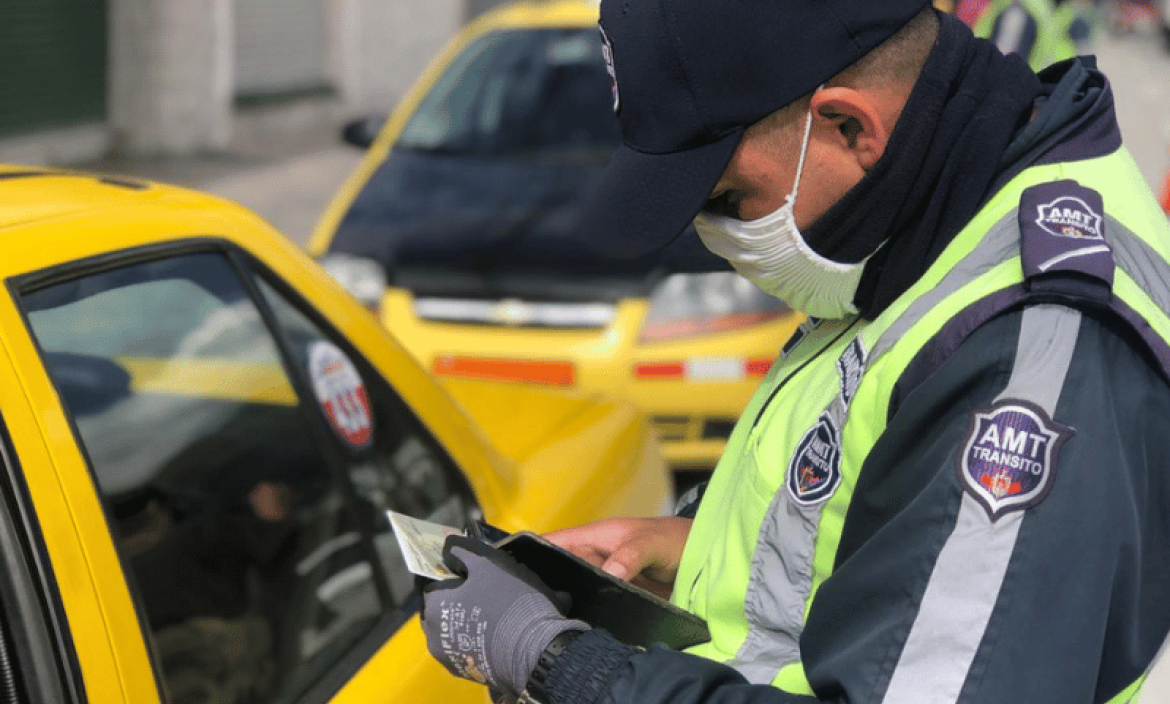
[(627, 561), (462, 554), (597, 539), (651, 553)]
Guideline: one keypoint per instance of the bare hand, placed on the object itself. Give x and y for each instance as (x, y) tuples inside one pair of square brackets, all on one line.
[(642, 551)]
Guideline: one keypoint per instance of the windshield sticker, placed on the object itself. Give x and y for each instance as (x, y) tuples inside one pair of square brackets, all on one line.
[(341, 393), (1009, 459)]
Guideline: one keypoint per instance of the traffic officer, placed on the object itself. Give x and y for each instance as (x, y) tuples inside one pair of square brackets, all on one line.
[(952, 485)]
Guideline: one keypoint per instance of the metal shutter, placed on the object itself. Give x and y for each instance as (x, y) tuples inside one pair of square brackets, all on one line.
[(52, 63), (280, 47)]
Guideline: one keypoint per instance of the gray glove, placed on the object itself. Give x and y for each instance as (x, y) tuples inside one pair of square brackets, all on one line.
[(491, 624)]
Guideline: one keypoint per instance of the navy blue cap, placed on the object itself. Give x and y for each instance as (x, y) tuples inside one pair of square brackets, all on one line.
[(690, 76)]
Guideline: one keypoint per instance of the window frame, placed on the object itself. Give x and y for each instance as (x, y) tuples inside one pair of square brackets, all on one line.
[(41, 642)]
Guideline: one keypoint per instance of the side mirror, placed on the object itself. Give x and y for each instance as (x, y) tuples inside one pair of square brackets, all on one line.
[(362, 131)]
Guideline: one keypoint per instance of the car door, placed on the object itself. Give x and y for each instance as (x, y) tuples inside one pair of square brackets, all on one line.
[(241, 455)]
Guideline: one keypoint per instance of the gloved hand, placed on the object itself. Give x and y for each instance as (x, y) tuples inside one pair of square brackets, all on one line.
[(491, 624)]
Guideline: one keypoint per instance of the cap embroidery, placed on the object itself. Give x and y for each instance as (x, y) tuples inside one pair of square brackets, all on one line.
[(607, 52)]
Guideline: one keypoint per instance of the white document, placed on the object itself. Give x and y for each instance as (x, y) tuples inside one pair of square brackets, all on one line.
[(421, 543)]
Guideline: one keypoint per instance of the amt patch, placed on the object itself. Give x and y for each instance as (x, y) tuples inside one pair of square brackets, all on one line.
[(1069, 216), (815, 469), (1009, 459)]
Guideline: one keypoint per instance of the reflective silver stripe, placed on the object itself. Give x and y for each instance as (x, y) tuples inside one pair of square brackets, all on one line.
[(1045, 266), (1002, 242), (1047, 336), (1130, 253), (775, 608), (968, 575), (1143, 264)]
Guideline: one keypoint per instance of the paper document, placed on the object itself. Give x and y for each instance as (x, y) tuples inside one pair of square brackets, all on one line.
[(421, 543)]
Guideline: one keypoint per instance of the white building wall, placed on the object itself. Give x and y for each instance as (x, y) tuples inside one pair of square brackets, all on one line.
[(280, 45), (173, 74), (395, 40), (170, 75)]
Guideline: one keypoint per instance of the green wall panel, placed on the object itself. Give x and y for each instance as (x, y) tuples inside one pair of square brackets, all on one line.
[(52, 63)]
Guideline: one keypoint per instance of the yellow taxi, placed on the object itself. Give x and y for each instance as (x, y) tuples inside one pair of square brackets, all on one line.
[(456, 228), (201, 435)]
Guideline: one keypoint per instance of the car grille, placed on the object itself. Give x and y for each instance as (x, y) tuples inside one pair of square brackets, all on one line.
[(684, 428), (513, 312)]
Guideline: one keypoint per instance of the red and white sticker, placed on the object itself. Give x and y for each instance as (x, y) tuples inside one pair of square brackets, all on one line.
[(341, 393)]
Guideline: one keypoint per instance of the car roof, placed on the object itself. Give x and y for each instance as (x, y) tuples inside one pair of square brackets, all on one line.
[(537, 13), (49, 216)]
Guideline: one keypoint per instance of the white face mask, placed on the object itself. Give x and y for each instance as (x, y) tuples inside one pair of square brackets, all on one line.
[(771, 253)]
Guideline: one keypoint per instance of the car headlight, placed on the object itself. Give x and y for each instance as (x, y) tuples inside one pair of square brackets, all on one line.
[(689, 305), (365, 279)]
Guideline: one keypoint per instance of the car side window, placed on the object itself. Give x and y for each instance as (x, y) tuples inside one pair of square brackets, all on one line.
[(389, 458), (244, 467)]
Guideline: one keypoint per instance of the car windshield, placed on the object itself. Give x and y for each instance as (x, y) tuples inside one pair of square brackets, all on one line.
[(524, 93)]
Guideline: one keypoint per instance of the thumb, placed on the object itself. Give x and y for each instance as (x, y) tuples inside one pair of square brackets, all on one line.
[(623, 564)]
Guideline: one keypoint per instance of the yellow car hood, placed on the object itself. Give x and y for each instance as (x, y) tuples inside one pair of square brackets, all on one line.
[(520, 420), (578, 456)]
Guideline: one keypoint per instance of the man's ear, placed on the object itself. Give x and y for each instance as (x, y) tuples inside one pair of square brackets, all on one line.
[(856, 117)]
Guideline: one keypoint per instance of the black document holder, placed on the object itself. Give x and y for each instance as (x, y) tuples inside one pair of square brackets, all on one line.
[(631, 614)]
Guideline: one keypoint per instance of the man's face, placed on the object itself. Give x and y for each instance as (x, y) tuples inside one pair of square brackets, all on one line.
[(763, 168)]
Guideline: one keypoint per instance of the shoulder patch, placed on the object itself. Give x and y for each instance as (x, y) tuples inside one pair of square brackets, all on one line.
[(815, 468), (1062, 228), (1009, 459)]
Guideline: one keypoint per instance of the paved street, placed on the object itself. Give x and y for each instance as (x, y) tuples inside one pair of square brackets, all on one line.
[(291, 194)]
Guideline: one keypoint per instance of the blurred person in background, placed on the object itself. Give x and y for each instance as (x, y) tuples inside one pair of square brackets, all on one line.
[(1042, 31), (1131, 16)]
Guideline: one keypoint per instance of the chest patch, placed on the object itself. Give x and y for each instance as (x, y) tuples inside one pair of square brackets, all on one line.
[(850, 367), (1009, 459), (815, 469)]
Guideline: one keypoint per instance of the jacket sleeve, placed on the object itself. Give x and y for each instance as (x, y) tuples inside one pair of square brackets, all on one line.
[(945, 594)]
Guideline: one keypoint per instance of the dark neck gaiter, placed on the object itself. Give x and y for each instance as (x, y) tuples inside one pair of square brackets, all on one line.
[(942, 156)]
